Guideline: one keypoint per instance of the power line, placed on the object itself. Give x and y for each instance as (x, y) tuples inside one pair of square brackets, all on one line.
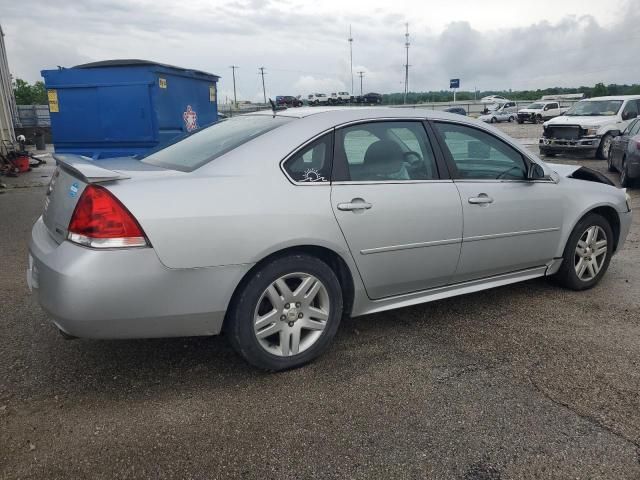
[(264, 91), (406, 65), (233, 70), (361, 73)]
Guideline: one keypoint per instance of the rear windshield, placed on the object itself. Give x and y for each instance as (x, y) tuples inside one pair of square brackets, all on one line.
[(202, 146)]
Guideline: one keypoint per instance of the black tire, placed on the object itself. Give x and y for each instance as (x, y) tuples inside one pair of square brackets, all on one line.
[(625, 181), (520, 121), (510, 119), (494, 119), (610, 166), (601, 154), (550, 154), (567, 276), (537, 119), (241, 313)]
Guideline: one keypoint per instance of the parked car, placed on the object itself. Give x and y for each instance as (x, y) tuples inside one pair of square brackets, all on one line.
[(494, 99), (538, 112), (624, 154), (586, 128), (371, 98), (318, 99), (504, 112), (340, 97), (273, 225), (288, 101), (457, 110)]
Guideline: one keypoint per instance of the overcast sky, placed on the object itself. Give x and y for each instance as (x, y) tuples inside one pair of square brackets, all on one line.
[(489, 44)]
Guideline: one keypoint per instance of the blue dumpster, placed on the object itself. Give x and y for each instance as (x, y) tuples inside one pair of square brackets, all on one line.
[(126, 107)]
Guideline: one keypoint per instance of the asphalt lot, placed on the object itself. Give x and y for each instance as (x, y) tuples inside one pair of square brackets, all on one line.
[(525, 381)]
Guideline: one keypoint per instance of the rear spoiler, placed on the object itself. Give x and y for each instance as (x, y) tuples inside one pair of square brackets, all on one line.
[(87, 169)]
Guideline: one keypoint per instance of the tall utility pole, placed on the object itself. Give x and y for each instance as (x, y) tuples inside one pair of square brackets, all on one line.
[(351, 57), (361, 73), (406, 65), (264, 92), (233, 70)]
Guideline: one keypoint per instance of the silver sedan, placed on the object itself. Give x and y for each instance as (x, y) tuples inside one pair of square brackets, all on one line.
[(273, 226)]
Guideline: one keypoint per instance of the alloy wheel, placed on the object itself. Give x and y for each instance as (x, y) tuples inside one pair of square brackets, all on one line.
[(291, 314), (590, 253)]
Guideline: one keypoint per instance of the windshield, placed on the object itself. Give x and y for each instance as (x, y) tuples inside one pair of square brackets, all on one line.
[(591, 108), (193, 150)]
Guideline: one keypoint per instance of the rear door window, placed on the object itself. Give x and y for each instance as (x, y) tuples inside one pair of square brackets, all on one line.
[(385, 151)]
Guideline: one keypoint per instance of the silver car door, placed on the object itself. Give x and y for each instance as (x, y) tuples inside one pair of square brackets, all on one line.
[(402, 222), (510, 223)]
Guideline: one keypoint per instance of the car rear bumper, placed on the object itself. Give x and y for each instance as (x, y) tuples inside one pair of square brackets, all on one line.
[(126, 293)]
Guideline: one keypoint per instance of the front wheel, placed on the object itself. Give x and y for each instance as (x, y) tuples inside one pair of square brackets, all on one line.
[(610, 166), (494, 119), (587, 253), (605, 147), (287, 313), (625, 181)]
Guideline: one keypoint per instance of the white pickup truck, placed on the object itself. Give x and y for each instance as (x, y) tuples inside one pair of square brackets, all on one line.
[(588, 127), (540, 111), (340, 97)]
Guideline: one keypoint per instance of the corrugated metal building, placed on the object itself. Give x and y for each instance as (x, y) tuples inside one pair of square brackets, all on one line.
[(8, 108)]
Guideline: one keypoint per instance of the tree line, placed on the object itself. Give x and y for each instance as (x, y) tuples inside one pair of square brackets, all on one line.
[(598, 90), (36, 94)]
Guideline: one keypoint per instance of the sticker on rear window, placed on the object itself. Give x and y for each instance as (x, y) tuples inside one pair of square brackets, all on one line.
[(73, 190)]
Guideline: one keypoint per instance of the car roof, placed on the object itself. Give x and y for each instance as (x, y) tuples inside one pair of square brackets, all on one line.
[(356, 113)]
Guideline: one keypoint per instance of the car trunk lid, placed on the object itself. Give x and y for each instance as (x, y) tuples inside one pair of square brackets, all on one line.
[(71, 177)]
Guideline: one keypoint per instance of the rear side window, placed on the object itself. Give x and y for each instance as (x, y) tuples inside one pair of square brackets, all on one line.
[(312, 164), (197, 149)]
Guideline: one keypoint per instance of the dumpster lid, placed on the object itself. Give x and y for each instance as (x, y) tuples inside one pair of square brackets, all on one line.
[(136, 62)]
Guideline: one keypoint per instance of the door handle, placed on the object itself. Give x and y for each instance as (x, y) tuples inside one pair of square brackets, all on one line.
[(356, 204), (481, 199)]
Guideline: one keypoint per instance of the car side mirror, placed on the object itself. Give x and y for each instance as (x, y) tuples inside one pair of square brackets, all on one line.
[(615, 133), (629, 115), (535, 172)]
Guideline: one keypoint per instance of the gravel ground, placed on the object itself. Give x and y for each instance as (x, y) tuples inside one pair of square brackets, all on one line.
[(524, 381)]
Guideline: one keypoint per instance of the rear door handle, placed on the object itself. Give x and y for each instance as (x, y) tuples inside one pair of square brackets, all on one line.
[(481, 199), (355, 205)]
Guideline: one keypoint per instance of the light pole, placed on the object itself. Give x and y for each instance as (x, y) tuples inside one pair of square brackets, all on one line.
[(351, 57), (264, 92), (361, 73), (233, 71)]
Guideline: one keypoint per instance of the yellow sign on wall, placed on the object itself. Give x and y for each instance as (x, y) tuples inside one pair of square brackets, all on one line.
[(52, 95), (212, 93), (163, 82)]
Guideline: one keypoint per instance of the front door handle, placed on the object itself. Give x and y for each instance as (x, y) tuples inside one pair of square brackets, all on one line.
[(357, 204), (481, 199)]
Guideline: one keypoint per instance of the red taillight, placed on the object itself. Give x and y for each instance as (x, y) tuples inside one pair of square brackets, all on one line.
[(100, 220), (637, 142)]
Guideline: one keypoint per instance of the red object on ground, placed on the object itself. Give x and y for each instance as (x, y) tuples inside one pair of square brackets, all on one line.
[(22, 163)]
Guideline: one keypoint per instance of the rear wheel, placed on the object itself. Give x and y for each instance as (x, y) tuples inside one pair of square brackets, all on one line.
[(494, 119), (587, 253), (287, 313), (520, 121)]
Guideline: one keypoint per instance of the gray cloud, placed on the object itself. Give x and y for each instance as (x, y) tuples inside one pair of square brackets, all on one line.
[(303, 50)]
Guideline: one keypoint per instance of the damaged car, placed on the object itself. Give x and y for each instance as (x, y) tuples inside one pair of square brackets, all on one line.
[(588, 127), (273, 226)]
